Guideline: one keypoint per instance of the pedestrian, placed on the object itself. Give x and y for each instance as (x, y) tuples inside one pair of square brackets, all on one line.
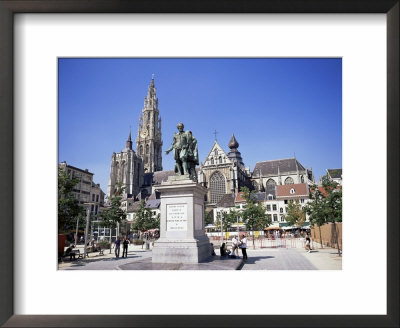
[(223, 251), (70, 252), (117, 247), (308, 244), (125, 244), (243, 245), (235, 246)]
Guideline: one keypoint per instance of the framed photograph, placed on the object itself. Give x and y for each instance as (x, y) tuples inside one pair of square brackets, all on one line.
[(362, 35)]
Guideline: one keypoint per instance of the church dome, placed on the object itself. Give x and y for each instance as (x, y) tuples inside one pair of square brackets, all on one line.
[(233, 144)]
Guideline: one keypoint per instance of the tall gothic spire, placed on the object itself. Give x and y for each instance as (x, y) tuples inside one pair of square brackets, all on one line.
[(149, 142)]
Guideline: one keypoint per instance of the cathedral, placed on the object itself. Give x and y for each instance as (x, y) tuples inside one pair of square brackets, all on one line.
[(221, 172)]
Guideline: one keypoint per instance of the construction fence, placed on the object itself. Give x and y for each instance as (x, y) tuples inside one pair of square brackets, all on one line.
[(328, 234)]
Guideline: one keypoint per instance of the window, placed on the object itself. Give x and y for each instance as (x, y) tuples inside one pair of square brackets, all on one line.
[(274, 207), (268, 208), (269, 217), (220, 160), (292, 191), (148, 116), (302, 179), (275, 217), (212, 161), (141, 150), (216, 152), (302, 200), (92, 208), (147, 149), (289, 181), (281, 210), (93, 197), (97, 198), (217, 186), (285, 201), (282, 218), (96, 209), (270, 197), (271, 184)]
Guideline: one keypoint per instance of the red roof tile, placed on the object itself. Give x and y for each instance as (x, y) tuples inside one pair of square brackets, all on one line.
[(284, 191)]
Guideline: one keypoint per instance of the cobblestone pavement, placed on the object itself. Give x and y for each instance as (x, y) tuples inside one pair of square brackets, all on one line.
[(292, 259)]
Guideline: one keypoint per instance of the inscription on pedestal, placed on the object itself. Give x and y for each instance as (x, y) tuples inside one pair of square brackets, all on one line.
[(177, 217)]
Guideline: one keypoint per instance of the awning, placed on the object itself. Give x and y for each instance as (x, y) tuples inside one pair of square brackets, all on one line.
[(272, 228)]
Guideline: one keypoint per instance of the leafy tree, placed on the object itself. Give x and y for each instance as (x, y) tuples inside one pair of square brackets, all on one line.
[(295, 215), (326, 205), (113, 214), (253, 215), (208, 218), (228, 218), (69, 209), (144, 219)]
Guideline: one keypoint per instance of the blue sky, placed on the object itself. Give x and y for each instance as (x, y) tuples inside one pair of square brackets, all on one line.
[(275, 107)]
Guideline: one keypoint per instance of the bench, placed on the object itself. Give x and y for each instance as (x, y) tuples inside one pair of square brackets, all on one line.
[(89, 250), (74, 251)]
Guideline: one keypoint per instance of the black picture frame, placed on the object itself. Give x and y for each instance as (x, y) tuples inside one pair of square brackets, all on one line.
[(10, 7)]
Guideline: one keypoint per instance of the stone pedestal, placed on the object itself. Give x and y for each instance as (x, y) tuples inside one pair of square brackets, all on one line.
[(182, 237)]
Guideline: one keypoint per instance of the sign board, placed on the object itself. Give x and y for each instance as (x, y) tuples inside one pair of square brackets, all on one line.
[(177, 217)]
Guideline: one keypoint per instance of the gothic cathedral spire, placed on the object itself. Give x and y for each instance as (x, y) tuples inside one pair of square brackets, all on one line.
[(149, 141)]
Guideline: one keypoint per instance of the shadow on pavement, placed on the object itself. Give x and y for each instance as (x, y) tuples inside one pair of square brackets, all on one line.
[(80, 263), (254, 259)]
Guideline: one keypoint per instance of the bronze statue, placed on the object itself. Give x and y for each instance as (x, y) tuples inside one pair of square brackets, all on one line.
[(185, 152)]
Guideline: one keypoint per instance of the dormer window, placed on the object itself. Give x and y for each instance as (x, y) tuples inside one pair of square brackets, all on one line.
[(292, 191), (270, 197)]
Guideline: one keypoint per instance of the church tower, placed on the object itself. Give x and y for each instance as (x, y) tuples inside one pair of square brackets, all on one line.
[(148, 141), (127, 169)]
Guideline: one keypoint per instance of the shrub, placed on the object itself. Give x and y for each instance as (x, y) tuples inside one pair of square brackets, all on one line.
[(103, 244)]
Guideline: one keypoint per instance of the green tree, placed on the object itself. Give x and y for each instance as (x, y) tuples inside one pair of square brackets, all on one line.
[(295, 215), (69, 209), (208, 217), (144, 218), (326, 205), (228, 218), (253, 215), (113, 214)]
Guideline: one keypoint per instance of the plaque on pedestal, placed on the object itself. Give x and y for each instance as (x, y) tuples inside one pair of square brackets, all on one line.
[(182, 237)]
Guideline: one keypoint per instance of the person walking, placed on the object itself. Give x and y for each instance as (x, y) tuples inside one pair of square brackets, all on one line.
[(125, 244), (243, 245), (308, 244), (117, 247)]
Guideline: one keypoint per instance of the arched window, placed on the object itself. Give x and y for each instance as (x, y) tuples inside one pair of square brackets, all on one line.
[(220, 160), (212, 161), (216, 152), (289, 181), (147, 149), (148, 116), (217, 186), (271, 184), (141, 150), (302, 179)]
